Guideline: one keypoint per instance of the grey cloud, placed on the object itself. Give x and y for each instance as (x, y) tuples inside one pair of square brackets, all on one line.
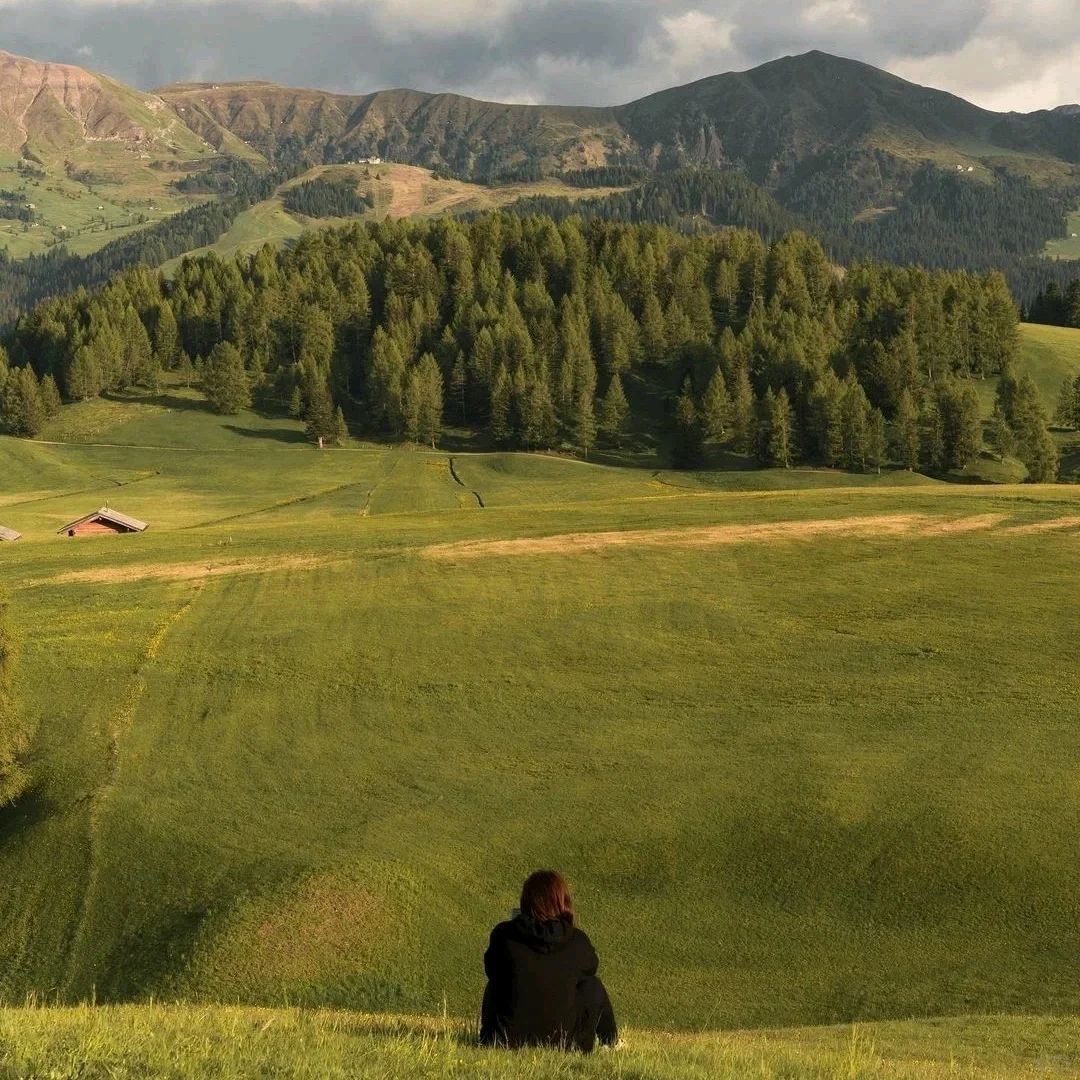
[(567, 51)]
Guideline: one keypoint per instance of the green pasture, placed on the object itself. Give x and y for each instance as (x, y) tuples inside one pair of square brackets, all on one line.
[(1069, 246), (244, 1044), (292, 749)]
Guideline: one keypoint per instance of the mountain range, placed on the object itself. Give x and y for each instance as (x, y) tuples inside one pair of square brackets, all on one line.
[(874, 165), (771, 122)]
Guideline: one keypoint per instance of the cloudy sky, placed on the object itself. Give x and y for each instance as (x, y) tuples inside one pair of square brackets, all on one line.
[(1003, 54)]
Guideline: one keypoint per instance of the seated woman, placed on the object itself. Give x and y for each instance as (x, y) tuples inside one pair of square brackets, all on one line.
[(542, 987)]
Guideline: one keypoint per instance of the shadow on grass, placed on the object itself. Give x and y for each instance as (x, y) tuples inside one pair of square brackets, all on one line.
[(31, 808), (163, 401), (286, 435)]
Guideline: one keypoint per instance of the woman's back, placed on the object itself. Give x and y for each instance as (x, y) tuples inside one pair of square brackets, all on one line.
[(542, 987), (535, 970)]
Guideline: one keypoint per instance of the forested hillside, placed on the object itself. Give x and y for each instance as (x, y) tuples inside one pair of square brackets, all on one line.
[(562, 335)]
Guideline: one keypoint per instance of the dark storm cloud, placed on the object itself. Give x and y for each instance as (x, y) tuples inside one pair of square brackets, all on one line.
[(570, 51)]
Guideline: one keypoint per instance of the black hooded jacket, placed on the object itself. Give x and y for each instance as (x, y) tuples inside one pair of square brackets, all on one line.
[(534, 971)]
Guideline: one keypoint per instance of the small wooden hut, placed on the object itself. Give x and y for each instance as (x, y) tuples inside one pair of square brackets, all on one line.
[(9, 534), (104, 522)]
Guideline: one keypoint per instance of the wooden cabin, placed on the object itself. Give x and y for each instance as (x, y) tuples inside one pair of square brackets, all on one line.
[(9, 534), (104, 522)]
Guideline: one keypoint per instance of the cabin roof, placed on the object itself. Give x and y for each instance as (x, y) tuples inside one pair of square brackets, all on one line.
[(9, 534), (114, 517)]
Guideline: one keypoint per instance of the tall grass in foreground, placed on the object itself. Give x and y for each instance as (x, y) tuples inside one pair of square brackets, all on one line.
[(87, 1043)]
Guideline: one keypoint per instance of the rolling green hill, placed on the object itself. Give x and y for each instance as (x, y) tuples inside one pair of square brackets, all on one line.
[(772, 736)]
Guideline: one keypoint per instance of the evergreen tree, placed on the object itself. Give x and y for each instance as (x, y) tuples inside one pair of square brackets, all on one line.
[(877, 445), (614, 409), (22, 411), (341, 429), (743, 412), (321, 421), (1035, 445), (459, 380), (585, 408), (932, 436), (296, 403), (961, 423), (905, 432), (50, 397), (84, 376), (1067, 413), (166, 337), (225, 382), (716, 406), (687, 449), (185, 370), (776, 432), (500, 406), (854, 424), (1001, 435)]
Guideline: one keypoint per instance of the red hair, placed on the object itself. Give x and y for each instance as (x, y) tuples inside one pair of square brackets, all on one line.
[(546, 897)]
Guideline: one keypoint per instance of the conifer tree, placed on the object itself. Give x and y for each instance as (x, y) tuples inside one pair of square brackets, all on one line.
[(776, 431), (500, 406), (22, 411), (1035, 445), (932, 436), (225, 382), (687, 449), (321, 422), (1067, 413), (185, 370), (1001, 435), (743, 412), (50, 397), (854, 418), (459, 380), (166, 336), (614, 409), (716, 406), (296, 403), (905, 432), (877, 445), (341, 429), (585, 407), (84, 376), (653, 338)]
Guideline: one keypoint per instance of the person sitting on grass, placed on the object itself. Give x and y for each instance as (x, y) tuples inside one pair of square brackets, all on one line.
[(542, 987)]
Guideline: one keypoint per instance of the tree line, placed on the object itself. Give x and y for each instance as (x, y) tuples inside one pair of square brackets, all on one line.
[(550, 334)]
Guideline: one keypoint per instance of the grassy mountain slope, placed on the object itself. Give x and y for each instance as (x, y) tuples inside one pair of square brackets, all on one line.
[(796, 109), (402, 125), (322, 747), (234, 1043), (91, 159)]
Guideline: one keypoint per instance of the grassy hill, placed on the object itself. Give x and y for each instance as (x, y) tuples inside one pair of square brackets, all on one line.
[(234, 1043), (775, 737), (92, 157)]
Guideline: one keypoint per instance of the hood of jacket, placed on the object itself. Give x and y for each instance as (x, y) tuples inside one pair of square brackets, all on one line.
[(544, 937)]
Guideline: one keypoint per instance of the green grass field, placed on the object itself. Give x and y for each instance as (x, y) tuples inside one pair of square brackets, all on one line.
[(232, 1043), (1069, 246), (803, 742)]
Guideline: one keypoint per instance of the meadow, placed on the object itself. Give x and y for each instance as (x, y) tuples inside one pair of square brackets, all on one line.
[(177, 1043), (805, 748)]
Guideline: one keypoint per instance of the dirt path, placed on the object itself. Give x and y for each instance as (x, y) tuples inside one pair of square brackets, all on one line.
[(896, 525)]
